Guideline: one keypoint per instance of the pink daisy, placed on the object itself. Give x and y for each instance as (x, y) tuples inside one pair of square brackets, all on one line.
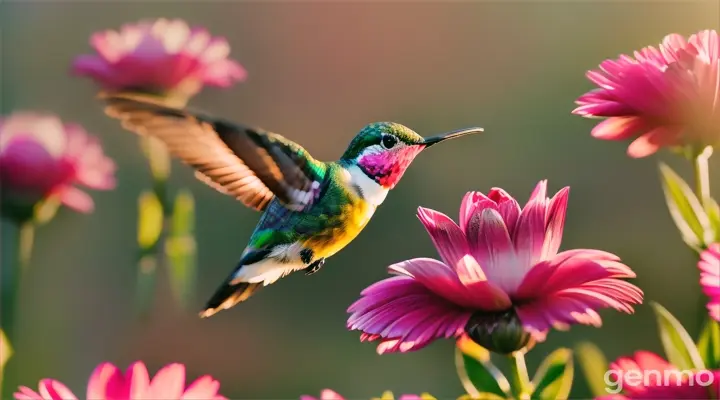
[(648, 376), (42, 157), (328, 394), (709, 265), (159, 56), (109, 383), (501, 279), (661, 97)]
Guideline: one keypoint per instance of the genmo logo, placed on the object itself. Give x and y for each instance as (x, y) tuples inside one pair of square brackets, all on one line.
[(617, 380)]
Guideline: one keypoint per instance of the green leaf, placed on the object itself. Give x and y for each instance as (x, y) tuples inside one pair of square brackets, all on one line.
[(476, 371), (680, 349), (685, 209), (709, 344), (554, 378), (150, 220), (158, 156), (45, 210), (6, 352), (594, 365), (181, 248), (713, 212)]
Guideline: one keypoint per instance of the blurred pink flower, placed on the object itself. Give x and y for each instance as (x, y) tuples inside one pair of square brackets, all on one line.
[(648, 376), (665, 96), (159, 56), (109, 382), (328, 394), (42, 157), (501, 279), (710, 278)]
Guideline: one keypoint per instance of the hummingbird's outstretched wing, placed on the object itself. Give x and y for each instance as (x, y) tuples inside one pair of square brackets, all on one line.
[(247, 163)]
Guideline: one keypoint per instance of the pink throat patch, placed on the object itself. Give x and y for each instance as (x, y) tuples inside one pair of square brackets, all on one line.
[(389, 166)]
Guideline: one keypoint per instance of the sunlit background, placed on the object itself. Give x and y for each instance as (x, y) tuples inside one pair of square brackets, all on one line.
[(318, 72)]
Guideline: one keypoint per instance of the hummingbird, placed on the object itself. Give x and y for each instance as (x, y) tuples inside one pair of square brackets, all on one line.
[(311, 209)]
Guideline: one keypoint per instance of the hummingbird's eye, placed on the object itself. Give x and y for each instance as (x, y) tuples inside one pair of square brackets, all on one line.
[(389, 141)]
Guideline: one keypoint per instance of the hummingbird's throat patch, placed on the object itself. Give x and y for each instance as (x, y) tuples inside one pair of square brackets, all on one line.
[(388, 167)]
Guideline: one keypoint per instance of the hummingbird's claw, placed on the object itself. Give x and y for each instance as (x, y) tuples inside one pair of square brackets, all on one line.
[(314, 267)]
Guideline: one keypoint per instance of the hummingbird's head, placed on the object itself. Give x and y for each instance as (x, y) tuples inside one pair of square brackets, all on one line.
[(384, 150)]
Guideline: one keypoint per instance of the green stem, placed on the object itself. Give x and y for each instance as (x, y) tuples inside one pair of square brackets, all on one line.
[(702, 175), (153, 257), (17, 243), (519, 378)]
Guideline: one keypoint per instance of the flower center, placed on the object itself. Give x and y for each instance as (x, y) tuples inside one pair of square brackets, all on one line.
[(501, 331)]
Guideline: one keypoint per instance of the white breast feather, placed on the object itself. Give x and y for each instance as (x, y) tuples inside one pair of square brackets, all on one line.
[(372, 191)]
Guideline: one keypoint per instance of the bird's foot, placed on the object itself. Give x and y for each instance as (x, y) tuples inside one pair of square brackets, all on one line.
[(314, 267)]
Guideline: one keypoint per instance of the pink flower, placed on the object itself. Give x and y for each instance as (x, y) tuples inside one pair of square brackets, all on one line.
[(647, 376), (107, 382), (159, 56), (662, 97), (710, 278), (501, 279), (328, 394), (42, 157)]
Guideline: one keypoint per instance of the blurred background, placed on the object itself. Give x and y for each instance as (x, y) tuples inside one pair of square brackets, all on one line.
[(318, 72)]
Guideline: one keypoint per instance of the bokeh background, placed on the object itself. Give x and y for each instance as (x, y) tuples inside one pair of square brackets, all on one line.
[(318, 72)]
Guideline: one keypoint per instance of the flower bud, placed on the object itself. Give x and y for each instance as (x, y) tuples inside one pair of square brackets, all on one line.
[(500, 332)]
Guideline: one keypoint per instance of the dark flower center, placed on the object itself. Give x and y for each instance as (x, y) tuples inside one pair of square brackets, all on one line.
[(500, 332)]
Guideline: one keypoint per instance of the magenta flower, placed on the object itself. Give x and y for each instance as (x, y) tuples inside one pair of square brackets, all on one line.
[(709, 265), (662, 97), (41, 157), (108, 382), (159, 56), (501, 279), (648, 376), (328, 394)]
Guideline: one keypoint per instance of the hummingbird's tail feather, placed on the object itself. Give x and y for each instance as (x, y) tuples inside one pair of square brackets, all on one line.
[(229, 295)]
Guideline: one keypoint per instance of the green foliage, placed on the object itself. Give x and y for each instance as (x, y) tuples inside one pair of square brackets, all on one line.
[(45, 210), (553, 379), (181, 248), (680, 349), (594, 365), (686, 210), (478, 375), (713, 212), (709, 344), (150, 220)]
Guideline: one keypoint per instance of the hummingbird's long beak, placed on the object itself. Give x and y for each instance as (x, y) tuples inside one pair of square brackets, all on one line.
[(450, 135)]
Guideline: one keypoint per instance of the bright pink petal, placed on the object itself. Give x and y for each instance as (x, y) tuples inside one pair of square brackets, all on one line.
[(447, 237), (405, 315), (204, 387), (555, 223), (662, 96), (530, 232), (76, 199), (326, 394), (652, 141), (107, 382), (571, 287), (443, 281), (507, 206), (709, 265), (491, 245), (51, 389), (159, 55), (168, 383), (138, 380), (618, 128)]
